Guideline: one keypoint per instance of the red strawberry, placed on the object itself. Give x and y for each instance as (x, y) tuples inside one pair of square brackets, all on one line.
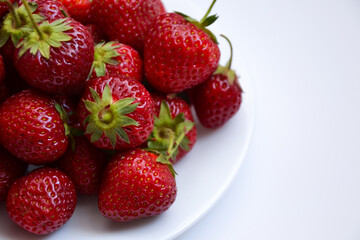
[(135, 185), (96, 33), (42, 201), (219, 98), (11, 168), (31, 128), (174, 124), (84, 165), (118, 112), (126, 21), (56, 57), (115, 58), (78, 9), (50, 9), (179, 52)]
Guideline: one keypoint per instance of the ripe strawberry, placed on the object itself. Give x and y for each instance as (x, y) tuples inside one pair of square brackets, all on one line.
[(135, 185), (31, 128), (115, 58), (84, 165), (56, 56), (126, 21), (219, 98), (11, 168), (78, 9), (117, 112), (174, 124), (42, 201), (180, 52), (50, 9)]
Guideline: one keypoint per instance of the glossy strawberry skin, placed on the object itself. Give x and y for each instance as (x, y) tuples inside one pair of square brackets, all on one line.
[(126, 21), (50, 9), (78, 9), (66, 70), (130, 63), (178, 55), (122, 87), (42, 201), (135, 186), (216, 101), (31, 128), (84, 166), (11, 169), (177, 106)]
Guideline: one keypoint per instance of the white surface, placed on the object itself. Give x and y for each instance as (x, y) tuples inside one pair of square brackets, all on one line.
[(204, 175), (301, 176)]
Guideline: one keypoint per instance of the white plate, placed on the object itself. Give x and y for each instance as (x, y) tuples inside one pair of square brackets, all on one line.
[(203, 175)]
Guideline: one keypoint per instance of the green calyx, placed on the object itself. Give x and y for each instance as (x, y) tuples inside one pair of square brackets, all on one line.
[(105, 53), (168, 135), (17, 25), (231, 75), (204, 22), (108, 117), (49, 35), (40, 38)]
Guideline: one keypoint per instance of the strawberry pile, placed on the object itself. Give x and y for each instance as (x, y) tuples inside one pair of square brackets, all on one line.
[(98, 98)]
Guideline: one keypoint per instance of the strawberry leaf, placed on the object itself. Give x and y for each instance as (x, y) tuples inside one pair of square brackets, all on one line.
[(210, 20)]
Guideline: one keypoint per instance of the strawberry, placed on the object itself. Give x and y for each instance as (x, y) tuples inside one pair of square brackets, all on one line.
[(115, 58), (126, 21), (174, 124), (31, 128), (84, 165), (117, 112), (50, 9), (219, 98), (56, 56), (42, 201), (11, 168), (135, 185), (180, 52), (78, 9)]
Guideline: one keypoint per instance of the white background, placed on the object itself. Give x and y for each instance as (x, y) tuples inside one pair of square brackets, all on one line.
[(301, 176)]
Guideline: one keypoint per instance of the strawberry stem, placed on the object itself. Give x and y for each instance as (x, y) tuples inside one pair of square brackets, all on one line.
[(13, 14), (38, 30), (228, 64), (208, 12)]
